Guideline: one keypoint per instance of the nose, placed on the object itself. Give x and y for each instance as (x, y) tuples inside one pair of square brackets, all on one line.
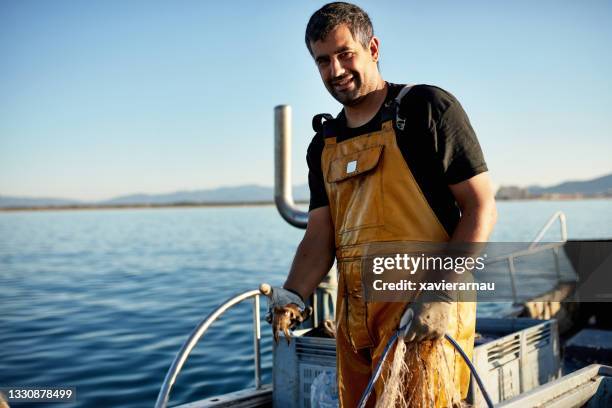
[(337, 70)]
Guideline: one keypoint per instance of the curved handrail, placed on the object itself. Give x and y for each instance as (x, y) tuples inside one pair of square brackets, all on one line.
[(534, 248), (196, 335), (562, 224), (509, 258)]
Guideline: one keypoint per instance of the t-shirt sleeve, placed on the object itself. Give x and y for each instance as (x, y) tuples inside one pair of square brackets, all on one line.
[(458, 145), (316, 183)]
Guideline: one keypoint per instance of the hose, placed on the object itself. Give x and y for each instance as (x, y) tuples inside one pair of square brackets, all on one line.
[(393, 339), (484, 392)]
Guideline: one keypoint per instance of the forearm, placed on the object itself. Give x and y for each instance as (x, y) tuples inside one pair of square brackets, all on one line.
[(476, 223), (475, 226), (312, 261)]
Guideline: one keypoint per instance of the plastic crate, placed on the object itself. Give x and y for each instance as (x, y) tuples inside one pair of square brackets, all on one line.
[(590, 387), (296, 365), (521, 355)]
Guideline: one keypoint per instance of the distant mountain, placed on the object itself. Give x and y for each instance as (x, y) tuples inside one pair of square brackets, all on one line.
[(247, 193), (222, 194), (6, 201), (598, 186), (238, 194), (301, 192)]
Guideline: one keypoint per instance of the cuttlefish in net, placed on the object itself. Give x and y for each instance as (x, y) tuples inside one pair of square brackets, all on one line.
[(286, 318)]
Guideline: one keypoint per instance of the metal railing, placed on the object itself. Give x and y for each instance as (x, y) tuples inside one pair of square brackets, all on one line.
[(198, 333), (535, 248), (283, 190), (562, 225)]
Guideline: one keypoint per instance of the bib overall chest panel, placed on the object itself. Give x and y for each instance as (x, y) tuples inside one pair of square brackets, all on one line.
[(374, 198)]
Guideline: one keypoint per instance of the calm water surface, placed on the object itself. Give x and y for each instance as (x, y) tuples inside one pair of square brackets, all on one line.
[(103, 300)]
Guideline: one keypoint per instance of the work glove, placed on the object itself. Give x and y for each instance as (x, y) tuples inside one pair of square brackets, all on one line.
[(285, 310), (426, 318)]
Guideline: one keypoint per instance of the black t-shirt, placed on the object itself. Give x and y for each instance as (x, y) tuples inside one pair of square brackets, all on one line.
[(438, 144)]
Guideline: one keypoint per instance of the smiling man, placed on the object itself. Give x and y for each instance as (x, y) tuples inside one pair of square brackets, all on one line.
[(397, 164)]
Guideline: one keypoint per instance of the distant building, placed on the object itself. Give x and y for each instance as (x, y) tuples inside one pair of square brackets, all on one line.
[(563, 196), (512, 193)]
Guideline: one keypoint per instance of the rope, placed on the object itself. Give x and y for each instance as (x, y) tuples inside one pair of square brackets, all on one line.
[(368, 390), (392, 340)]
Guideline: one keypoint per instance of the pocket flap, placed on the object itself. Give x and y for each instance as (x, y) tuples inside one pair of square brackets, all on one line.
[(354, 164)]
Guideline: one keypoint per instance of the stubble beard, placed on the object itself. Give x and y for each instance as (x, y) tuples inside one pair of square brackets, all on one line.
[(350, 97)]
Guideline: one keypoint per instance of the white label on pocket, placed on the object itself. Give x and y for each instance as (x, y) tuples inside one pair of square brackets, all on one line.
[(351, 166)]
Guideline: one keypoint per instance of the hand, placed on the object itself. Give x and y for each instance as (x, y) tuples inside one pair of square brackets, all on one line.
[(429, 319), (279, 298), (285, 310), (286, 318)]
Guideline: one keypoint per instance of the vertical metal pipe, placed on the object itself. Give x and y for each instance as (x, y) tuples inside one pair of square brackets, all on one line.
[(283, 194), (257, 341), (283, 190)]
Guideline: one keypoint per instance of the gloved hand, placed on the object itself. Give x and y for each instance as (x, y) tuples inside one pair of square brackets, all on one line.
[(281, 297), (428, 317), (285, 310)]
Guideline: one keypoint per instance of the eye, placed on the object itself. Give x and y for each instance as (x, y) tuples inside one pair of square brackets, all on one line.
[(346, 55), (322, 62)]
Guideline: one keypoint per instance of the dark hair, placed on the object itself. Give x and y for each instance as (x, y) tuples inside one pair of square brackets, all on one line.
[(331, 15)]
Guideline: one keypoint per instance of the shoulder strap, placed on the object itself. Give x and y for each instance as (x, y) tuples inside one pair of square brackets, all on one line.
[(319, 120), (400, 121)]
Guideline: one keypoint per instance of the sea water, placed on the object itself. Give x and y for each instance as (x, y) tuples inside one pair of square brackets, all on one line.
[(102, 300)]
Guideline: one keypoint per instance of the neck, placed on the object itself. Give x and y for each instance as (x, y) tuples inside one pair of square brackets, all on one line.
[(361, 113)]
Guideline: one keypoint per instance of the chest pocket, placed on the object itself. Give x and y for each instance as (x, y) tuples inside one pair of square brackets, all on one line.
[(355, 187)]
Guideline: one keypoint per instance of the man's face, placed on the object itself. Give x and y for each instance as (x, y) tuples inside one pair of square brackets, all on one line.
[(347, 69)]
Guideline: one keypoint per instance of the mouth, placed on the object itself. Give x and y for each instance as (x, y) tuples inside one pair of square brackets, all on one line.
[(343, 84)]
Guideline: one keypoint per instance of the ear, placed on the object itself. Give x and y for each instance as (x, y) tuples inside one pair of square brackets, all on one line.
[(374, 48)]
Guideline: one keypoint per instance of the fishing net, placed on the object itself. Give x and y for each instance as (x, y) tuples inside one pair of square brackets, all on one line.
[(420, 376)]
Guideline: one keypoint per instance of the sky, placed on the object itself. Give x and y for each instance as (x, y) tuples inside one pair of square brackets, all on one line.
[(105, 98)]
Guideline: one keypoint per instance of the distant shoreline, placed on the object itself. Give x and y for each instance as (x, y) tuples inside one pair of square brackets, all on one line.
[(139, 206), (230, 204)]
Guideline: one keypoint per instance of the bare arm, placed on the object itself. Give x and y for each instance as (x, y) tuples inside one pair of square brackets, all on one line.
[(478, 213), (315, 254)]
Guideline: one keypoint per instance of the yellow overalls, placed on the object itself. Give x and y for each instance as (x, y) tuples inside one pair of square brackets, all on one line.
[(374, 197)]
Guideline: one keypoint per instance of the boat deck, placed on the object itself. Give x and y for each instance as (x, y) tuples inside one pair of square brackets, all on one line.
[(248, 398)]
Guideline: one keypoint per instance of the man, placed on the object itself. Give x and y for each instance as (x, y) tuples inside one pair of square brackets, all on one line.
[(383, 172)]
